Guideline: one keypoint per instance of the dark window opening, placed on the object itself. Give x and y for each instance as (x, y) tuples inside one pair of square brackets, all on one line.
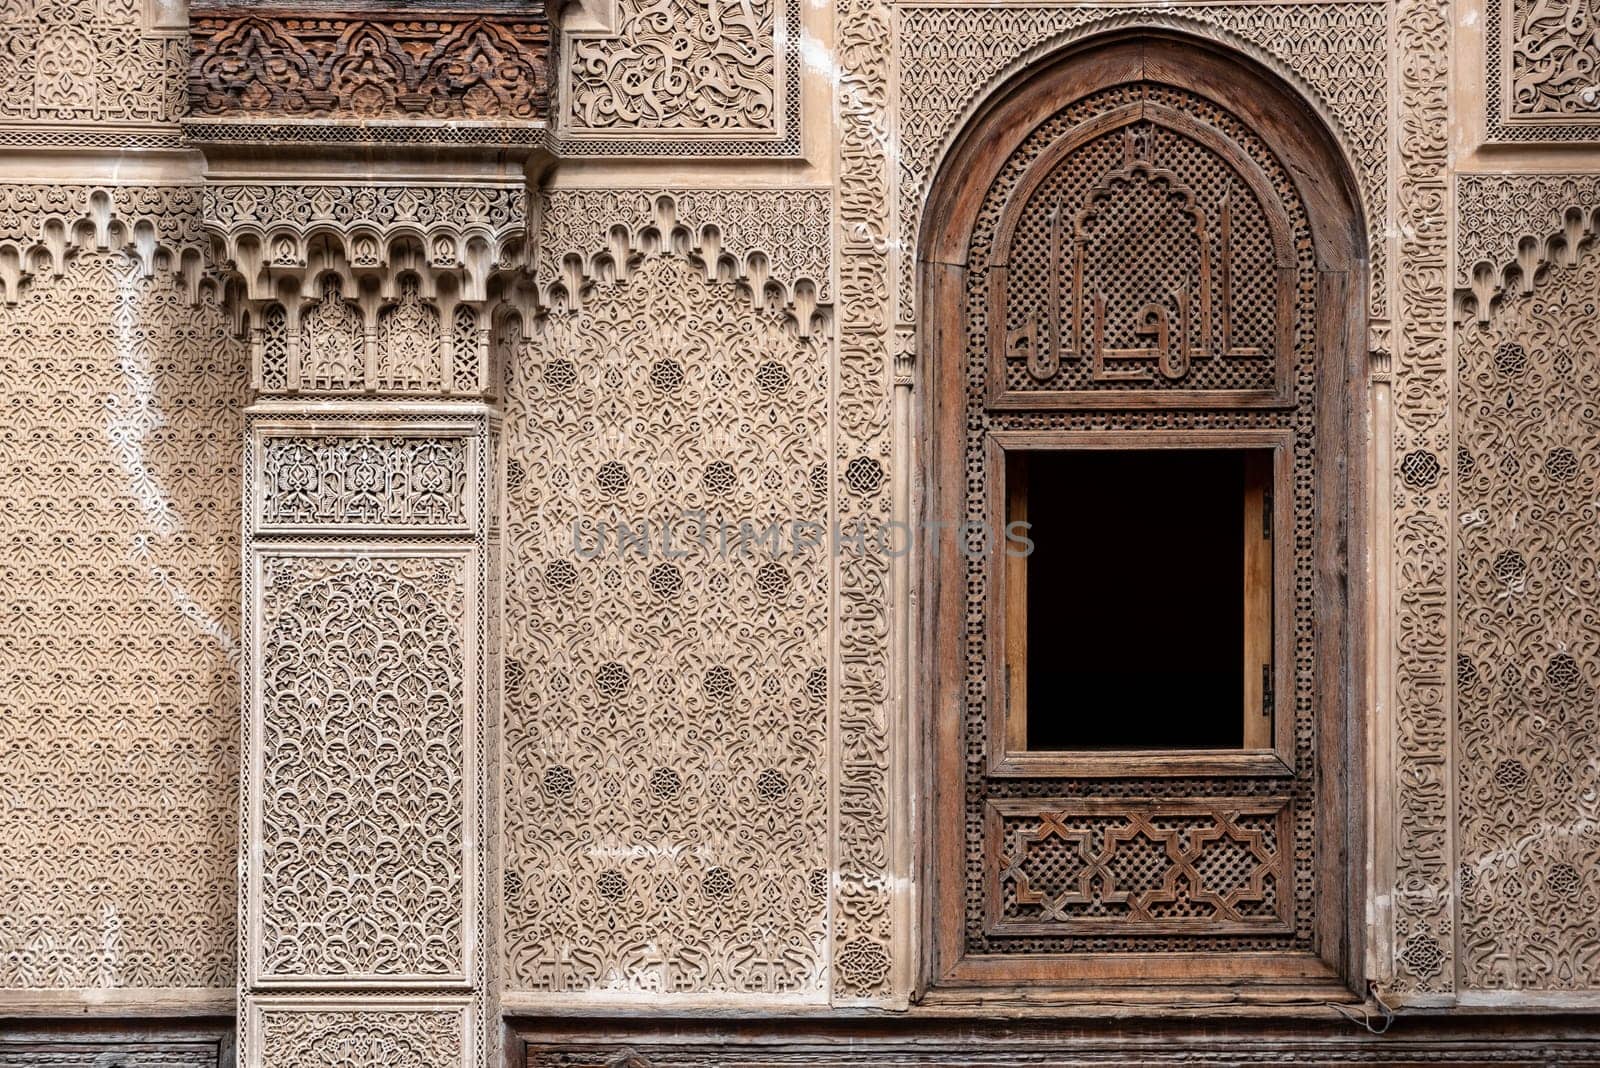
[(1146, 615)]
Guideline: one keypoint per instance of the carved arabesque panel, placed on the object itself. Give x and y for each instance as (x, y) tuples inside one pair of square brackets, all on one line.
[(685, 77), (1528, 655), (666, 678), (371, 728), (362, 798), (1542, 65), (89, 68), (119, 709)]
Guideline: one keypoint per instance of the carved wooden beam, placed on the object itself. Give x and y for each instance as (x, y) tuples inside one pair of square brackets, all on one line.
[(419, 63)]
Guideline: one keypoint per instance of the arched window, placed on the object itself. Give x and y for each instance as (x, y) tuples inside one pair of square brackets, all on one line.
[(1144, 282)]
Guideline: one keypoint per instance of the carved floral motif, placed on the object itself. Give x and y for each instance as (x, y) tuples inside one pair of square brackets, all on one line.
[(120, 577), (398, 65), (666, 675), (1527, 670)]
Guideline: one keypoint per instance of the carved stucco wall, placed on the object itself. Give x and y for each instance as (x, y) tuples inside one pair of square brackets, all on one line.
[(667, 737), (123, 390), (1527, 714), (697, 742)]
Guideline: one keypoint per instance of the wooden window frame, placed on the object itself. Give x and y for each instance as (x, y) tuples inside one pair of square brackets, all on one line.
[(1007, 752), (953, 974)]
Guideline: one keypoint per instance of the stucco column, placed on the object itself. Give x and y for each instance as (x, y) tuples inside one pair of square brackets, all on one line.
[(371, 616)]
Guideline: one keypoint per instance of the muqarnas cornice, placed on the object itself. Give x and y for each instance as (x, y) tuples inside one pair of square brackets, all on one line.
[(42, 225), (774, 243), (371, 288), (268, 233), (1542, 66), (445, 63)]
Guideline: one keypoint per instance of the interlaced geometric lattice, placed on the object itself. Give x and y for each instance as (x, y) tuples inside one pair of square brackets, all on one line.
[(1173, 867)]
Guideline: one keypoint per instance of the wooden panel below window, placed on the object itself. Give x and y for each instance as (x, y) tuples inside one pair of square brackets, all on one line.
[(1138, 866)]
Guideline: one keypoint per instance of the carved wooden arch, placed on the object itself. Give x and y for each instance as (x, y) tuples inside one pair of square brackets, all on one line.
[(1328, 323)]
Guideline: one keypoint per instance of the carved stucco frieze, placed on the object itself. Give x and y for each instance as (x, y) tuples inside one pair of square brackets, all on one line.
[(472, 229), (285, 63), (684, 77), (118, 718), (41, 226), (1542, 66)]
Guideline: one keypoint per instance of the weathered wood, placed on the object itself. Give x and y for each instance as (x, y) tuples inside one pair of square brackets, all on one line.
[(1018, 1030)]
